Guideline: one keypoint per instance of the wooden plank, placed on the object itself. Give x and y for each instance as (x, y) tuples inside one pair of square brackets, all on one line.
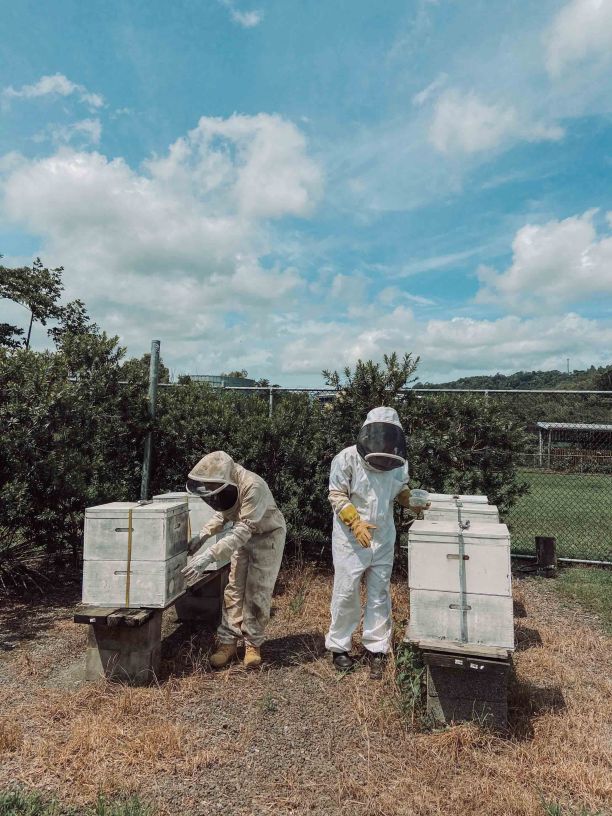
[(93, 614), (138, 617), (456, 647)]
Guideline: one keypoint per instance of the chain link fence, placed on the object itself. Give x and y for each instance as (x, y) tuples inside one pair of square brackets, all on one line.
[(565, 467)]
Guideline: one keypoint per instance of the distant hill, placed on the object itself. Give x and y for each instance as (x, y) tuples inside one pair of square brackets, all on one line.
[(597, 379)]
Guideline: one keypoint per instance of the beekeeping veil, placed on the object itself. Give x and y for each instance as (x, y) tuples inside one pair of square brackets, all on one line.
[(213, 480), (381, 442)]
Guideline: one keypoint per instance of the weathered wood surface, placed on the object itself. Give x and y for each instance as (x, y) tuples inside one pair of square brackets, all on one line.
[(158, 531), (199, 514), (152, 584), (457, 648), (474, 513), (437, 616)]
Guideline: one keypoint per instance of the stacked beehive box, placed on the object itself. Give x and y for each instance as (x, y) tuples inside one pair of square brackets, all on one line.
[(199, 514), (461, 608), (460, 586), (134, 553)]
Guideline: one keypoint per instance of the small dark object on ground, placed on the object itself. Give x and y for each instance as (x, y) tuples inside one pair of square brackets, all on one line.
[(377, 664)]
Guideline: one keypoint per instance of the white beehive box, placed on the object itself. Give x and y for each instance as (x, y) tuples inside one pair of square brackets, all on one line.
[(159, 531), (435, 616), (449, 497), (199, 514), (434, 574), (143, 569), (474, 513), (152, 584), (433, 557)]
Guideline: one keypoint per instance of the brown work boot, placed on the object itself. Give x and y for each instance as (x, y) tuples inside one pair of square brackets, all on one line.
[(226, 652), (252, 656)]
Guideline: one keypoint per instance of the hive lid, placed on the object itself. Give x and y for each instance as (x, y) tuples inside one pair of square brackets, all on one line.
[(177, 496), (468, 509), (449, 497), (440, 531), (121, 509)]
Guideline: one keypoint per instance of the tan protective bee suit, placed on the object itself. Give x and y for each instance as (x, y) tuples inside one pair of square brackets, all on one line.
[(255, 543)]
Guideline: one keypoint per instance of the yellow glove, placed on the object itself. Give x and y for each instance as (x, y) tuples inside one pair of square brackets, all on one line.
[(359, 527)]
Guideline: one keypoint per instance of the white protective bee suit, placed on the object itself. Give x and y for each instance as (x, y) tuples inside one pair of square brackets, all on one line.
[(255, 543), (353, 481)]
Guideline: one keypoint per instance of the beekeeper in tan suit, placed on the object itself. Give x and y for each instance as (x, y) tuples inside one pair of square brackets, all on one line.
[(255, 543)]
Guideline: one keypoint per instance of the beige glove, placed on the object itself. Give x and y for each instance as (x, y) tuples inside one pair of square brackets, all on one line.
[(359, 527)]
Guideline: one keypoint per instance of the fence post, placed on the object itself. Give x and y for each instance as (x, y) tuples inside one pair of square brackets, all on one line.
[(271, 404), (148, 449), (546, 551)]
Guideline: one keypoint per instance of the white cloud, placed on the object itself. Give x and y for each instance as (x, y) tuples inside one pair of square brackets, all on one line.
[(451, 347), (463, 123), (581, 30), (260, 162), (175, 247), (87, 131), (55, 85), (558, 263), (420, 98), (246, 19)]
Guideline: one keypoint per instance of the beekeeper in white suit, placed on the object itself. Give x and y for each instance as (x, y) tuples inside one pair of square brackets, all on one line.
[(255, 544), (364, 481)]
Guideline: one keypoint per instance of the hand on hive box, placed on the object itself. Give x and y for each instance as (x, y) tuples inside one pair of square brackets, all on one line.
[(197, 566), (194, 544)]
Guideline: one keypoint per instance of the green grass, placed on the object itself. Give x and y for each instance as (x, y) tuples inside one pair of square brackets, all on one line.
[(410, 678), (555, 809), (18, 802), (574, 508), (590, 587)]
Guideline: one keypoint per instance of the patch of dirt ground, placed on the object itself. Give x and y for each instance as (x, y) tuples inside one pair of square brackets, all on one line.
[(296, 737)]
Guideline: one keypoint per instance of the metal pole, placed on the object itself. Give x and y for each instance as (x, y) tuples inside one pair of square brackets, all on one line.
[(148, 449), (540, 445), (27, 343), (271, 404)]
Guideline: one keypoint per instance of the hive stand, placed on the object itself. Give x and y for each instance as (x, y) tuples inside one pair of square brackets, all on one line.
[(125, 644), (467, 687)]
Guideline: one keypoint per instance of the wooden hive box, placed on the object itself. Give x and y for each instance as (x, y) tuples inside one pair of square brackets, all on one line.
[(474, 513), (199, 514), (447, 498), (141, 569), (447, 604)]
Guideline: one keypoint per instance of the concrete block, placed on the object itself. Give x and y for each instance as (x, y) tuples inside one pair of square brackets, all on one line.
[(130, 654), (464, 688)]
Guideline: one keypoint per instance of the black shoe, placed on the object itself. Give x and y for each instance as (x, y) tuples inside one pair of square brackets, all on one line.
[(377, 662), (343, 661)]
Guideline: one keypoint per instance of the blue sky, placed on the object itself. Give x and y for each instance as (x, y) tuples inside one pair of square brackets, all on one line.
[(286, 186)]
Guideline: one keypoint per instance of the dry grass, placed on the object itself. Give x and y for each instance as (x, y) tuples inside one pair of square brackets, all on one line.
[(299, 738)]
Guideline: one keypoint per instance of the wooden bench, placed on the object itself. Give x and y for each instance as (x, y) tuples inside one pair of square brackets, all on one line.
[(125, 644)]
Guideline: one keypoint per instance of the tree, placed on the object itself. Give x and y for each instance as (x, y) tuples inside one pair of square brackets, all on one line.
[(136, 369), (37, 288), (73, 320), (602, 380), (237, 375), (10, 336)]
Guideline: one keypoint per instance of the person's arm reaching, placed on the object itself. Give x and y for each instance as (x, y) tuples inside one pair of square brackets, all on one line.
[(254, 505), (213, 526)]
